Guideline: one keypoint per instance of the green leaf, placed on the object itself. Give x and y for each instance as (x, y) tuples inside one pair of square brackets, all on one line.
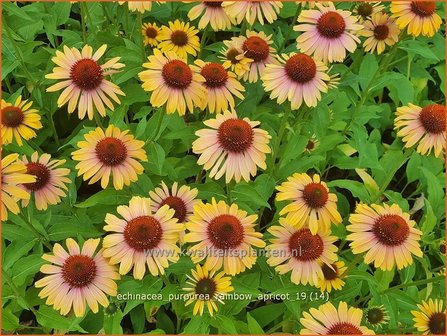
[(357, 189), (10, 321), (106, 197), (253, 325)]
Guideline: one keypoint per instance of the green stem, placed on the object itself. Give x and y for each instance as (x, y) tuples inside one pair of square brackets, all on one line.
[(35, 232), (282, 128), (297, 13), (140, 39), (8, 85), (405, 285), (18, 53), (84, 32), (228, 193), (365, 95), (410, 59), (106, 13), (89, 18), (98, 120), (16, 291), (53, 127), (203, 40)]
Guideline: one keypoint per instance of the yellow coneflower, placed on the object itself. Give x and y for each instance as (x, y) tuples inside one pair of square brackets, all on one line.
[(18, 121), (386, 233), (179, 37), (328, 320), (366, 9), (13, 174), (172, 82), (333, 275), (224, 236), (109, 153), (205, 287), (430, 318), (213, 14), (234, 58), (83, 80), (151, 34), (221, 85), (418, 16), (142, 238), (253, 10), (380, 31), (423, 125), (51, 180), (311, 204)]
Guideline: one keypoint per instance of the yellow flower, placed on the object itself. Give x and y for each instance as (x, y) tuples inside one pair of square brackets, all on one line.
[(142, 238), (18, 121), (234, 58), (386, 233), (430, 319), (252, 10), (328, 320), (213, 15), (138, 6), (418, 16), (256, 46), (110, 153), (180, 38), (312, 205), (425, 125), (78, 278), (13, 174), (221, 85), (299, 252), (151, 34), (224, 235), (172, 82), (51, 181), (83, 79), (376, 316), (366, 9), (332, 276), (205, 287), (380, 31)]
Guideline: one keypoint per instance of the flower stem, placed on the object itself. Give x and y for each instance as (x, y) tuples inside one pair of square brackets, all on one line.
[(84, 32), (35, 232), (140, 39), (282, 128), (203, 40), (98, 120)]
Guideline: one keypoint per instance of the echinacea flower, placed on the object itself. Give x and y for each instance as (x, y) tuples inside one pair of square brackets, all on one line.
[(329, 320), (300, 252), (212, 14), (328, 33), (233, 146), (256, 46), (386, 233), (224, 236), (234, 58), (110, 153), (376, 316), (205, 287), (312, 144), (19, 121), (51, 180), (312, 205), (419, 17), (142, 237), (425, 126), (179, 37), (333, 275), (83, 80), (151, 34), (380, 31), (172, 82), (138, 6), (221, 85), (366, 9), (181, 199), (430, 318), (297, 78), (13, 174), (77, 278), (253, 10)]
